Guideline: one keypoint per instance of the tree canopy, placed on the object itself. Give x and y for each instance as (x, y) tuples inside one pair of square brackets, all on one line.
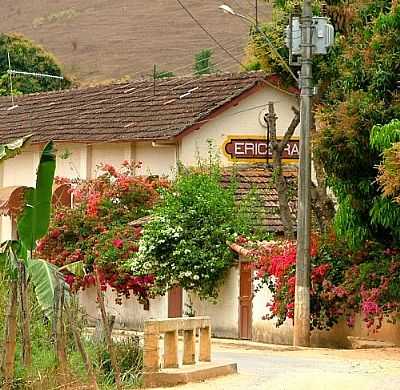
[(357, 83), (27, 56)]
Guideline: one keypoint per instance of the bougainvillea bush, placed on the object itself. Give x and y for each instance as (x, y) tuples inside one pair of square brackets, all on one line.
[(186, 242), (343, 282), (96, 231)]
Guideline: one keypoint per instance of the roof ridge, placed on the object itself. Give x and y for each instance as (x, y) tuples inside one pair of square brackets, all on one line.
[(117, 83), (128, 110)]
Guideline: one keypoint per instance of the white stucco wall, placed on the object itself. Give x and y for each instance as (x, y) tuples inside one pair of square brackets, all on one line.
[(109, 153), (240, 120), (158, 159), (225, 313), (266, 330), (72, 160), (20, 171), (129, 315)]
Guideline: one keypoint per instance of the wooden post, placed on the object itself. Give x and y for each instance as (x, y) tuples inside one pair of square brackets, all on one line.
[(107, 331), (151, 348), (205, 344), (10, 339), (189, 346), (171, 349)]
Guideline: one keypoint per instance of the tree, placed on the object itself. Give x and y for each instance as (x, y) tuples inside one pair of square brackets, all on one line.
[(279, 179), (27, 56), (356, 83), (386, 139), (203, 62)]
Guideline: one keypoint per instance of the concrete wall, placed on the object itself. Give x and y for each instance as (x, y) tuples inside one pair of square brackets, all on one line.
[(225, 313), (266, 330), (128, 315), (131, 315)]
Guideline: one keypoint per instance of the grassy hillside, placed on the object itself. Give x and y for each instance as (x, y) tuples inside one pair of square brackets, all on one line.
[(104, 39)]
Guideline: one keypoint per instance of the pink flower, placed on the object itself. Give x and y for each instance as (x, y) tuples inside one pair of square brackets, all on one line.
[(350, 321), (69, 279), (370, 307), (55, 233), (118, 243), (340, 291)]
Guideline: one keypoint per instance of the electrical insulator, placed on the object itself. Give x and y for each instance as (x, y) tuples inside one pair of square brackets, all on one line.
[(324, 9)]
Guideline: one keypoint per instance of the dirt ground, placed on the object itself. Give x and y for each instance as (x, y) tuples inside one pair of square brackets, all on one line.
[(306, 369), (104, 39)]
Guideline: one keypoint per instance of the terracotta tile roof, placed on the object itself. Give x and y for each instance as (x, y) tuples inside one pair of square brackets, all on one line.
[(124, 112), (259, 180), (11, 200)]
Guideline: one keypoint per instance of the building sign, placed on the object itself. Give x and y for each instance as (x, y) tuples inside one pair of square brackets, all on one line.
[(256, 149)]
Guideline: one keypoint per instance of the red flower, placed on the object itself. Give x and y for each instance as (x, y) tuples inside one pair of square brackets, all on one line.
[(55, 233), (370, 307), (118, 243), (92, 205)]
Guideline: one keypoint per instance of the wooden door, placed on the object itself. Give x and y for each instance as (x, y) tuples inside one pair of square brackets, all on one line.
[(175, 302), (245, 302)]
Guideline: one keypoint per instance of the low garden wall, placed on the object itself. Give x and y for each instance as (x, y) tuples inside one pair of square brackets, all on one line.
[(130, 314), (225, 317), (267, 332)]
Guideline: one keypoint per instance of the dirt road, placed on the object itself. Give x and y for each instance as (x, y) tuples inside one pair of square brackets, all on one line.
[(312, 369)]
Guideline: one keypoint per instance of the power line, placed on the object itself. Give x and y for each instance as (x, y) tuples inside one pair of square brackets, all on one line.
[(133, 92), (209, 34)]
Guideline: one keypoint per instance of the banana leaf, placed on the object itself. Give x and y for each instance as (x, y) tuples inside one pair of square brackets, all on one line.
[(34, 221), (9, 254), (13, 148), (47, 281)]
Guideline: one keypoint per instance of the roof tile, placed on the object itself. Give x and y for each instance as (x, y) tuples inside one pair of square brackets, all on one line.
[(259, 180), (139, 110)]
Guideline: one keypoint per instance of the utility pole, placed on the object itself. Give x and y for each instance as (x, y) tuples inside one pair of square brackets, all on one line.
[(301, 333)]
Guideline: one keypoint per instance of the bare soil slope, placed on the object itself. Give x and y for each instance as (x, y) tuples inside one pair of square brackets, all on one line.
[(104, 39)]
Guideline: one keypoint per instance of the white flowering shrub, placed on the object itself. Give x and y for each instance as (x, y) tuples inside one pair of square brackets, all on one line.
[(186, 242)]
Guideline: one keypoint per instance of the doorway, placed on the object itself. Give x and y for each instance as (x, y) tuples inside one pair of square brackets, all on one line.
[(245, 301), (175, 302)]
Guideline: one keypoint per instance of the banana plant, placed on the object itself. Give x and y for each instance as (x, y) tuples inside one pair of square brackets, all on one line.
[(14, 148), (19, 265)]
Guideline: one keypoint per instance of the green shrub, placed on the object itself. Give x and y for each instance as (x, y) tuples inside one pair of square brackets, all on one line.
[(186, 242)]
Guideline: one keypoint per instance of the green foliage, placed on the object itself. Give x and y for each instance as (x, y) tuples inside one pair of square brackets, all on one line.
[(383, 137), (9, 258), (13, 148), (356, 101), (46, 280), (186, 242), (357, 84), (34, 221), (348, 223), (130, 361), (163, 74), (28, 57), (203, 63), (260, 54)]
